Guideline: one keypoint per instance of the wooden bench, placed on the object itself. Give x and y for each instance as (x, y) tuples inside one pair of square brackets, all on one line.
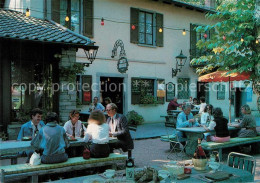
[(210, 146), (20, 171)]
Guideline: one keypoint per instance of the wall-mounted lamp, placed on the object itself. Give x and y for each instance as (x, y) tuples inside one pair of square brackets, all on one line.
[(180, 62), (91, 53), (27, 13)]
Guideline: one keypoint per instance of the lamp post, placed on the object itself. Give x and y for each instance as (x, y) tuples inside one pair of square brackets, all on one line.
[(180, 62)]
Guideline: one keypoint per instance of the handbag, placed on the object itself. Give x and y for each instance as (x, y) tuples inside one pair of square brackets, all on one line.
[(86, 153), (35, 159)]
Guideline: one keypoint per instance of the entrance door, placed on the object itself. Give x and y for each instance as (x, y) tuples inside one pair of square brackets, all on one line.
[(113, 88), (202, 91)]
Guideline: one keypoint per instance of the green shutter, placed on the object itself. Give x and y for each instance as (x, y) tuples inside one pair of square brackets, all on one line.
[(55, 10), (192, 41), (134, 21), (88, 12), (159, 24)]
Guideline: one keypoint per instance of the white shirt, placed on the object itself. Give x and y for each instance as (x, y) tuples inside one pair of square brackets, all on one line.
[(112, 125), (98, 133), (202, 107), (68, 127), (212, 125), (33, 127), (204, 117)]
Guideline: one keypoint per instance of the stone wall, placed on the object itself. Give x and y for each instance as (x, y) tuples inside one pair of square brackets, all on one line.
[(68, 94)]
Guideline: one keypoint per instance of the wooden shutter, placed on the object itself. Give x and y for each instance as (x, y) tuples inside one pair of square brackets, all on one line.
[(86, 90), (192, 41), (134, 19), (55, 10), (88, 13), (159, 24)]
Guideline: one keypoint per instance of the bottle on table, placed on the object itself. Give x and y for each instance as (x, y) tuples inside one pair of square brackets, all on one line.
[(82, 131), (130, 166), (199, 152)]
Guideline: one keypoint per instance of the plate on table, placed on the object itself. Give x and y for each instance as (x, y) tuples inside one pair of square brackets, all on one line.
[(26, 138)]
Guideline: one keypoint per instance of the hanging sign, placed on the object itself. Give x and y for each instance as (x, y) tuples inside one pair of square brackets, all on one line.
[(122, 65)]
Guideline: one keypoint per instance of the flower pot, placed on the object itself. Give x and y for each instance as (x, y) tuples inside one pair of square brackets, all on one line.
[(199, 164)]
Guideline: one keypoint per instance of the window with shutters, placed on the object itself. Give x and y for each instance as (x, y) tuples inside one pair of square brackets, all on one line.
[(145, 91), (183, 88), (194, 38), (84, 91), (79, 19), (145, 26)]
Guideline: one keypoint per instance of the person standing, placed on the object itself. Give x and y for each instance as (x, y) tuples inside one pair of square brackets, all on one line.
[(202, 104), (118, 127), (98, 133), (248, 123), (74, 127), (53, 140)]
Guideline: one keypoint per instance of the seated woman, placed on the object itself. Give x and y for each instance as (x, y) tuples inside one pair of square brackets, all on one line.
[(74, 127), (53, 140), (248, 123), (207, 115), (98, 132), (220, 125)]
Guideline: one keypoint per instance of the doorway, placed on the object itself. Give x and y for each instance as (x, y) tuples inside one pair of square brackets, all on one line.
[(113, 88), (202, 91), (240, 99)]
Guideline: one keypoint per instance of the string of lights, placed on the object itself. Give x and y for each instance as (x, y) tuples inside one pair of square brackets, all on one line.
[(133, 26)]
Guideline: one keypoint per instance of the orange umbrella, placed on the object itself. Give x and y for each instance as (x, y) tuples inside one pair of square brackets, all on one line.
[(222, 76)]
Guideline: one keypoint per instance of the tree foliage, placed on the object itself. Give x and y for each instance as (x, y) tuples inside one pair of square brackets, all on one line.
[(236, 20)]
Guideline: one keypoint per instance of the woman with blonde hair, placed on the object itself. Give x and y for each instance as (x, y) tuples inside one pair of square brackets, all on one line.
[(98, 132), (248, 123)]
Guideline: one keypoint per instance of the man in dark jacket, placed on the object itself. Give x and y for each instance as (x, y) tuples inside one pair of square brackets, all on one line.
[(118, 127)]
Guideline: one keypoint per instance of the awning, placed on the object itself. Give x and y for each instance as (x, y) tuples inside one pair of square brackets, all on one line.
[(222, 76)]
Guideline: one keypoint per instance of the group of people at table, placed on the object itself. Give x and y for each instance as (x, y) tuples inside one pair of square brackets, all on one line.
[(212, 119), (52, 140)]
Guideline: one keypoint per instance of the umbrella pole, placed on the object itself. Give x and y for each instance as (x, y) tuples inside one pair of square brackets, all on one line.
[(229, 90)]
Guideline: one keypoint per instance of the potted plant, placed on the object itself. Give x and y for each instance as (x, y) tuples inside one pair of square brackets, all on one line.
[(148, 99), (134, 118)]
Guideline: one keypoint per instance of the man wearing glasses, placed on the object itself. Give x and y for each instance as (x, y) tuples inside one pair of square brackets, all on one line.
[(118, 127)]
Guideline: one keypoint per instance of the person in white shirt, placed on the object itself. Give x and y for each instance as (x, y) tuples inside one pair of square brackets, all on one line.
[(98, 132), (207, 115), (202, 104), (74, 127)]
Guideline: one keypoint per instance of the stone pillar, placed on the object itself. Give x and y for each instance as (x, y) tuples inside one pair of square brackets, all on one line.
[(68, 93)]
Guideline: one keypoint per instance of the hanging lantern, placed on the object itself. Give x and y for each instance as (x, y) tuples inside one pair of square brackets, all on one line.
[(256, 41), (205, 36), (160, 29), (27, 12), (133, 27), (102, 21), (224, 37), (183, 32), (242, 39)]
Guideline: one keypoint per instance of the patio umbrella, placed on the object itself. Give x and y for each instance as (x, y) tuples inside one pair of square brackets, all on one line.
[(222, 76)]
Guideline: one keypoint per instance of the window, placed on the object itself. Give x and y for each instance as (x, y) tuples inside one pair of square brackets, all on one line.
[(194, 38), (74, 10), (183, 88), (147, 91), (84, 91), (221, 92), (146, 27)]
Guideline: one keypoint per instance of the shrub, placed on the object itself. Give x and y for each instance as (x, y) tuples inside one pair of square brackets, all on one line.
[(134, 118)]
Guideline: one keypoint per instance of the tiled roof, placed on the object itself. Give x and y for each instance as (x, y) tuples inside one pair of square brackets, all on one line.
[(15, 25)]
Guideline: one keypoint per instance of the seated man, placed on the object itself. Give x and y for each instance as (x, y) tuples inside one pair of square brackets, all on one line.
[(185, 119), (96, 106), (118, 127), (173, 105), (31, 128)]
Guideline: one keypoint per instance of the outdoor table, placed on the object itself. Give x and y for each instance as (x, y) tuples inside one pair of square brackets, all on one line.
[(85, 115), (238, 176), (176, 112), (13, 146), (192, 134)]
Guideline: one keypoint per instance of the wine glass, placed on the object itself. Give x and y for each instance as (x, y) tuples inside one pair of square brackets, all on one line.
[(214, 163)]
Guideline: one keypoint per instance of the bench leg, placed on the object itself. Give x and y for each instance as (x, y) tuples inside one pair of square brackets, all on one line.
[(34, 179), (220, 154), (13, 161), (2, 174)]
